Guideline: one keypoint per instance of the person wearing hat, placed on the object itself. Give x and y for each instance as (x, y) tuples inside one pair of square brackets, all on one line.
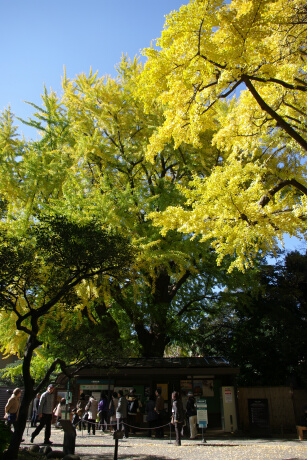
[(45, 409), (192, 414)]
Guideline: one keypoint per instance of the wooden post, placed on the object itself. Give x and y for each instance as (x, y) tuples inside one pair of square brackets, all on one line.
[(117, 435)]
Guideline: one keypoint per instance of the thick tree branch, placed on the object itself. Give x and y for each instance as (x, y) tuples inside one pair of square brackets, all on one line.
[(279, 82), (280, 121), (176, 286), (266, 198)]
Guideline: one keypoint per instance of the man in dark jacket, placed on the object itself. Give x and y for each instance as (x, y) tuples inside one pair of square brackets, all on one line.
[(133, 407)]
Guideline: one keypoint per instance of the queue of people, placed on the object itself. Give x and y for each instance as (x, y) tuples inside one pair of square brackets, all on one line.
[(118, 413)]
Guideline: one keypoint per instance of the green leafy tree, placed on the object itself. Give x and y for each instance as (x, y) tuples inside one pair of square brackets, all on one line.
[(91, 161), (264, 333), (37, 272)]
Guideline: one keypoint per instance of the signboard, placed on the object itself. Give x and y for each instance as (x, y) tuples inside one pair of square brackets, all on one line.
[(201, 387), (92, 387), (258, 411), (94, 382), (202, 412), (227, 395)]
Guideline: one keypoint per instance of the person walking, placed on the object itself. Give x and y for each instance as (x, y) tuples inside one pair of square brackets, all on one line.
[(121, 413), (34, 417), (45, 409), (159, 409), (178, 416), (92, 409), (12, 408), (192, 415)]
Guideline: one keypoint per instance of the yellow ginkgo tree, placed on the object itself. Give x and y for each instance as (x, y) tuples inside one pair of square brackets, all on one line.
[(239, 69)]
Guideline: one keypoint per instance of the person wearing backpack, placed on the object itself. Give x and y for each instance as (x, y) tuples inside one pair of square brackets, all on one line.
[(133, 409)]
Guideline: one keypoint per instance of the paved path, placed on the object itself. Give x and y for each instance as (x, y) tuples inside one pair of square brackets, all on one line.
[(219, 447)]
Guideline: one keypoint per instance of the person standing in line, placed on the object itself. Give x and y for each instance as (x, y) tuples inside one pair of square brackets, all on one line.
[(81, 410), (12, 408), (92, 409), (75, 417), (192, 415), (159, 408), (151, 414), (112, 410), (45, 409), (103, 410), (121, 413), (178, 416), (34, 417), (133, 408)]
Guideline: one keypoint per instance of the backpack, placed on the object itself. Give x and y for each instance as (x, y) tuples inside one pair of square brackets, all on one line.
[(133, 406), (112, 409)]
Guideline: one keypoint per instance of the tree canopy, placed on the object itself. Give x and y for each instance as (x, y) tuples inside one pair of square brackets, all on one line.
[(255, 52), (262, 332), (91, 161), (39, 273)]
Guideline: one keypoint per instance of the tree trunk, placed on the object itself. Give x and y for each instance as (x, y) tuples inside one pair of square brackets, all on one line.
[(153, 342), (12, 452)]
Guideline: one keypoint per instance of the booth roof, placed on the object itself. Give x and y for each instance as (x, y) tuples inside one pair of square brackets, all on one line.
[(161, 366), (198, 362)]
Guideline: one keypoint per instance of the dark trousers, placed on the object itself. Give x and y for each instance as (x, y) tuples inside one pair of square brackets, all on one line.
[(151, 424), (44, 421), (91, 424), (12, 424), (122, 425), (178, 428), (34, 419), (159, 423), (132, 422), (103, 419)]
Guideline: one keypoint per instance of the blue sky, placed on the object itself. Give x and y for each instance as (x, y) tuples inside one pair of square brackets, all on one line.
[(40, 37)]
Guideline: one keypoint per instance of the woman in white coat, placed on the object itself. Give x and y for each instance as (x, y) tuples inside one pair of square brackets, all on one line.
[(92, 410)]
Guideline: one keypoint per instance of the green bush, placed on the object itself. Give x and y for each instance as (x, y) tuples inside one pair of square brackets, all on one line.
[(5, 436)]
